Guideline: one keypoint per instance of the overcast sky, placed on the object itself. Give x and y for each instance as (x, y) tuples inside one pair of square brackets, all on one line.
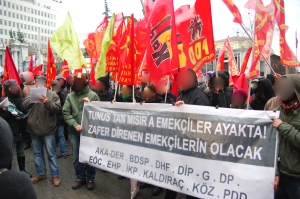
[(87, 14)]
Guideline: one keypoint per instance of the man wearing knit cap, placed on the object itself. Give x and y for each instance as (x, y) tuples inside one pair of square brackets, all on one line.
[(72, 112), (41, 125), (102, 88)]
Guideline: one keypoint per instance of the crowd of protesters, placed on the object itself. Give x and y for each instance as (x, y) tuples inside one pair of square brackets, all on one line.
[(57, 117)]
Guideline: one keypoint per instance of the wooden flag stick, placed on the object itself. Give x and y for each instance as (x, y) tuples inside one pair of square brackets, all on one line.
[(260, 53), (116, 87), (249, 93), (167, 88)]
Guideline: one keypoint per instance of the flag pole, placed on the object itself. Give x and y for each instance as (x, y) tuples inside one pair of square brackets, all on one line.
[(260, 52), (133, 94), (167, 88), (143, 6), (249, 93), (116, 87)]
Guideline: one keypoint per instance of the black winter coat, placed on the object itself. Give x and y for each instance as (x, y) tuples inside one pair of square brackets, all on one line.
[(194, 96), (18, 127), (105, 96), (171, 99), (222, 98)]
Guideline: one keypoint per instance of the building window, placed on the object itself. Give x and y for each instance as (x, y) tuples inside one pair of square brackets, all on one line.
[(13, 6), (4, 3), (13, 15), (35, 12), (32, 28), (4, 13), (14, 24), (0, 21), (25, 26), (8, 4), (39, 21), (21, 17), (6, 41), (8, 14), (5, 22), (18, 25), (21, 26), (32, 36), (5, 32), (35, 29), (0, 12), (35, 37), (28, 27), (31, 11), (35, 20), (21, 8), (31, 19), (39, 13), (9, 23), (42, 13), (17, 6), (24, 9), (1, 31), (17, 16), (0, 2)]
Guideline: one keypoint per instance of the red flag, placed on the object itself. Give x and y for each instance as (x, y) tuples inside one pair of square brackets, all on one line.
[(221, 58), (112, 55), (287, 57), (91, 49), (262, 26), (99, 34), (242, 83), (234, 10), (245, 60), (234, 71), (65, 71), (196, 33), (92, 75), (30, 67), (127, 57), (149, 5), (162, 49), (79, 70), (37, 69), (51, 68), (10, 70)]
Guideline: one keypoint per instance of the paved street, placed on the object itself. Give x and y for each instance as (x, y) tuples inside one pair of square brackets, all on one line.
[(107, 184)]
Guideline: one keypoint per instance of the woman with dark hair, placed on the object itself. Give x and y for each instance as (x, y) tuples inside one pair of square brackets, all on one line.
[(15, 117), (262, 94)]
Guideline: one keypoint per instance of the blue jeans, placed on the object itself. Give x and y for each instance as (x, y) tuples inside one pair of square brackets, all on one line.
[(288, 188), (61, 139), (38, 143), (83, 171)]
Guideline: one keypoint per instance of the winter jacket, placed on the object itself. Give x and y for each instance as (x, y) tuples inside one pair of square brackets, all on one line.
[(18, 127), (272, 104), (42, 118), (194, 96), (155, 99), (171, 99), (120, 99), (60, 118), (105, 96), (73, 107), (289, 136)]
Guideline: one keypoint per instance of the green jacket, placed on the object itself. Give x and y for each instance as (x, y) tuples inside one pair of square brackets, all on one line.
[(73, 107), (289, 137)]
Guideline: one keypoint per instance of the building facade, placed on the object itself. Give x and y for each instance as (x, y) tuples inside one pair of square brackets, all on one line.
[(36, 19)]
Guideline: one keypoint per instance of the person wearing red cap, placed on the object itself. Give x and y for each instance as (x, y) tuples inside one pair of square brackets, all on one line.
[(239, 99)]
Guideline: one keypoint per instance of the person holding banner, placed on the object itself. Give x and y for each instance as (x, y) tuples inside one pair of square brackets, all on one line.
[(72, 112), (102, 89), (162, 91), (221, 92), (190, 94), (287, 180), (41, 125)]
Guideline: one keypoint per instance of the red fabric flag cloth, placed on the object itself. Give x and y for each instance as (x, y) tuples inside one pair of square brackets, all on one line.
[(242, 83), (90, 46), (92, 75), (65, 71), (36, 70), (30, 67), (126, 72), (112, 55), (51, 68), (233, 69), (10, 70), (221, 58), (245, 60), (79, 70), (196, 33), (234, 10), (162, 48), (287, 57), (99, 34), (148, 5), (262, 29)]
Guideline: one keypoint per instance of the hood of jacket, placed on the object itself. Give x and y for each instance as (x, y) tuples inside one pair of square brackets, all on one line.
[(269, 89), (84, 91), (296, 80)]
